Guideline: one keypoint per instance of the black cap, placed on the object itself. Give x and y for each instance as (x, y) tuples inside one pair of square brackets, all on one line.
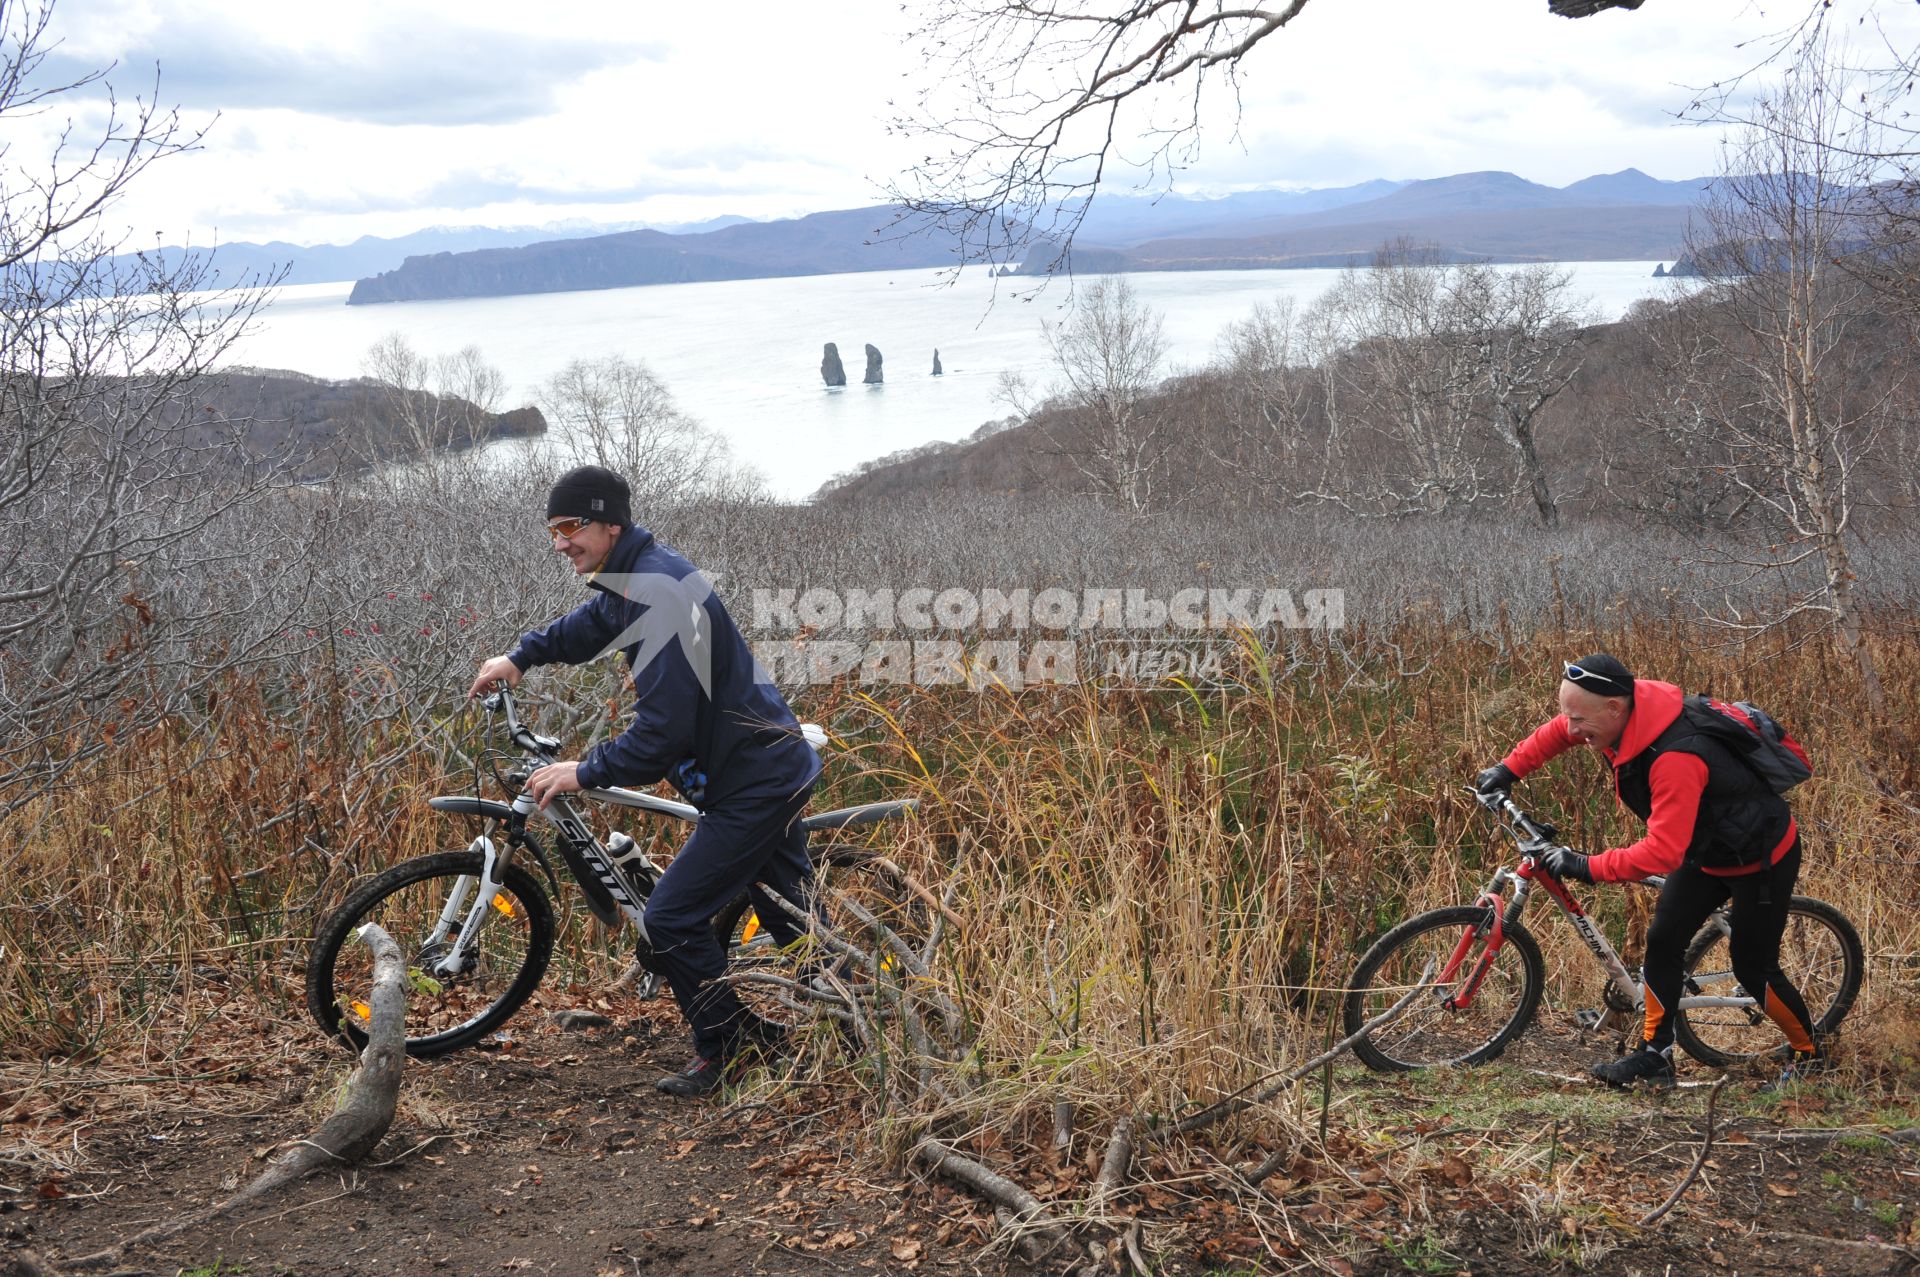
[(591, 492), (1600, 674)]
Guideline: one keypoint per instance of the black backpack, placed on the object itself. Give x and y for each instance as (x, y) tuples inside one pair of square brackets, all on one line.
[(1753, 736)]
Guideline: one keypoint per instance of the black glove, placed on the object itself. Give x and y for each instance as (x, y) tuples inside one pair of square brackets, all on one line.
[(1565, 862), (1498, 778)]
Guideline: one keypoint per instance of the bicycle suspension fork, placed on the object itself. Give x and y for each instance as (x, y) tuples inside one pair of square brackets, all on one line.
[(1502, 914), (466, 908)]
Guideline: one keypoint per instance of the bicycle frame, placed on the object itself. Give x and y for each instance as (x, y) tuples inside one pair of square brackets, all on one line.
[(616, 880), (1534, 839)]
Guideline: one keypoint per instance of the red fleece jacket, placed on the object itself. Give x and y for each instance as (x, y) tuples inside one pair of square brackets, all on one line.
[(1677, 781)]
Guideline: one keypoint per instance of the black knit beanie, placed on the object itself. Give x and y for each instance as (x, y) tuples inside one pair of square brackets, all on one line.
[(1600, 674), (591, 492)]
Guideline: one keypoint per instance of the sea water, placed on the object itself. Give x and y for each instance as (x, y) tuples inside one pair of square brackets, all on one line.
[(742, 357)]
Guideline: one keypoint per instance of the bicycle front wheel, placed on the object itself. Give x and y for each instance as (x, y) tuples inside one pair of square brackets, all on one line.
[(1820, 952), (1434, 1029), (446, 1010)]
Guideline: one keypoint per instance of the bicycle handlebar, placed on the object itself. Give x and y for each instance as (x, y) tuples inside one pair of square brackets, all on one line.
[(501, 699), (1538, 835)]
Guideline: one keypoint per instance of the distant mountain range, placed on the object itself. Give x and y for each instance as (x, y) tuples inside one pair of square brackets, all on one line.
[(1489, 216), (369, 255), (1116, 220), (1467, 217)]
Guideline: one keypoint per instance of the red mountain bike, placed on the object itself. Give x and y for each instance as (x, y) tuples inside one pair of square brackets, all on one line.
[(1486, 975)]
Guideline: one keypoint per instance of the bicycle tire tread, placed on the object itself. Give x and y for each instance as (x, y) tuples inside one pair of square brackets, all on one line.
[(335, 934), (1533, 982)]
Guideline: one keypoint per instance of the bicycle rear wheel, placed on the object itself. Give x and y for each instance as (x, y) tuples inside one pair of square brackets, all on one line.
[(445, 1011), (1431, 1032), (1820, 952), (848, 881)]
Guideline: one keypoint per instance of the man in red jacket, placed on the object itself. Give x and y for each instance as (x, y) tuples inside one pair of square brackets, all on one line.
[(1714, 827)]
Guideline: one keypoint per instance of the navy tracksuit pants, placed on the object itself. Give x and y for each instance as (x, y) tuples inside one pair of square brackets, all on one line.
[(734, 846)]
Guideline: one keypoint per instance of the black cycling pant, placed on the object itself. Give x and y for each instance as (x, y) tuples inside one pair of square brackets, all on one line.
[(1757, 921)]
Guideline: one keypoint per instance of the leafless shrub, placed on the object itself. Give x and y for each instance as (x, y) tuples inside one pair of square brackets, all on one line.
[(614, 412), (129, 583)]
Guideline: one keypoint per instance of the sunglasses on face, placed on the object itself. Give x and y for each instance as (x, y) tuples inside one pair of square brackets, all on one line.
[(566, 529)]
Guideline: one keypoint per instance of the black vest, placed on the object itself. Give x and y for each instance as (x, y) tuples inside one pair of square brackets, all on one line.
[(1741, 820)]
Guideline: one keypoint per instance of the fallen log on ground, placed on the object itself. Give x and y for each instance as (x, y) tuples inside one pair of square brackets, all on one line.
[(1036, 1232), (358, 1122)]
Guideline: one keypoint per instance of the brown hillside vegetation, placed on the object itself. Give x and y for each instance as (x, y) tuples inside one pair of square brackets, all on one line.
[(1274, 422), (1159, 892)]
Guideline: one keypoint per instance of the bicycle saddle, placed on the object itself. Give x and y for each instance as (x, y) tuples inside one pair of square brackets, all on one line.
[(865, 814)]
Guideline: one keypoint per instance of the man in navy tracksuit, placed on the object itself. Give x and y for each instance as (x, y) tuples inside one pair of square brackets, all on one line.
[(704, 720)]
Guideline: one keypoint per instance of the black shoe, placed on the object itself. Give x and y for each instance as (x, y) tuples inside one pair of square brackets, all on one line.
[(702, 1076), (1647, 1065)]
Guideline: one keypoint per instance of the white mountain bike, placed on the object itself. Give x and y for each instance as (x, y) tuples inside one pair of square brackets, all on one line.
[(478, 925)]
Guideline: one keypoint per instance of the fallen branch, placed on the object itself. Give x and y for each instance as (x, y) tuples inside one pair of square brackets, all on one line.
[(937, 932), (827, 1001), (1113, 1167), (943, 909), (358, 1121), (1140, 1264), (1908, 1135), (1883, 1248), (1242, 1101), (1693, 1172), (815, 930), (1026, 1212), (924, 986)]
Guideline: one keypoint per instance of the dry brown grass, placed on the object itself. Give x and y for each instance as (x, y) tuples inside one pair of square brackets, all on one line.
[(1163, 891)]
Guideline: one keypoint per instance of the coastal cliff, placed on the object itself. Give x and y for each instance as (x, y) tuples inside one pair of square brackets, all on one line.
[(862, 239)]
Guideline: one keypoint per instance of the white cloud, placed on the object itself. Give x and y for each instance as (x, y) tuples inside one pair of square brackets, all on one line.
[(364, 117)]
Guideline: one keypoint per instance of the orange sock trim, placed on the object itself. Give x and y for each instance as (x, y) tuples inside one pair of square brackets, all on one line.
[(1656, 1015), (1797, 1036)]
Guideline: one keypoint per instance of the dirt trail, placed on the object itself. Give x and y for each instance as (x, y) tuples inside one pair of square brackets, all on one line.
[(555, 1155)]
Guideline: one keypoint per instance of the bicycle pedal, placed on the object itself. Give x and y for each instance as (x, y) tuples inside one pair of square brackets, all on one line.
[(1588, 1020)]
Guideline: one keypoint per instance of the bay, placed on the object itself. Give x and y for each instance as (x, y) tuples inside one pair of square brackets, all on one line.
[(743, 356)]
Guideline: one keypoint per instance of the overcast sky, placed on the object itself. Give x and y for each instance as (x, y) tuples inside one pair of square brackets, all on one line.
[(356, 118)]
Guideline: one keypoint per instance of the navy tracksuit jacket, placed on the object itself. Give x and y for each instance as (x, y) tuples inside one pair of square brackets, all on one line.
[(725, 738)]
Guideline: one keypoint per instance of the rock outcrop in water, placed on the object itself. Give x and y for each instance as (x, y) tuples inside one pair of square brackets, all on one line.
[(936, 362), (832, 371), (874, 376)]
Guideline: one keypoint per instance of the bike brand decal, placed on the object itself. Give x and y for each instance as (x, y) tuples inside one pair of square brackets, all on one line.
[(1602, 950), (575, 832)]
